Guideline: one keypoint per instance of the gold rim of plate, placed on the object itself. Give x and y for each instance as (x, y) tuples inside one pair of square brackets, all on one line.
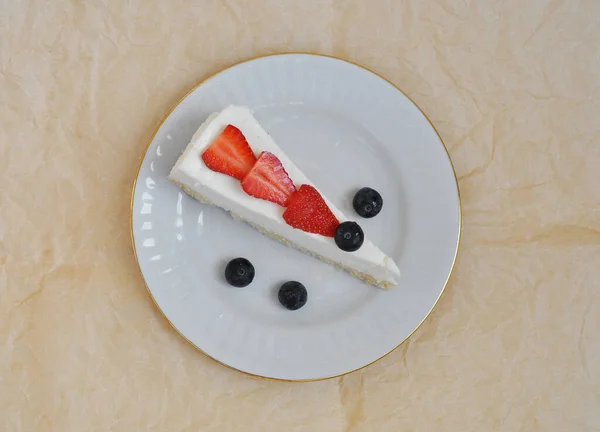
[(140, 167)]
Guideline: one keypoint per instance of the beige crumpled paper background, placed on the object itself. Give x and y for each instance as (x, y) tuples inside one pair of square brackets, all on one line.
[(514, 89)]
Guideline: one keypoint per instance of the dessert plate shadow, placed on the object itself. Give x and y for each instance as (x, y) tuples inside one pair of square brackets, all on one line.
[(344, 127)]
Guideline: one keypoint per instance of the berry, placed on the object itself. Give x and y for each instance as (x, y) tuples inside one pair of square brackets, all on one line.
[(268, 180), (292, 295), (239, 272), (230, 154), (308, 211), (367, 202), (349, 236)]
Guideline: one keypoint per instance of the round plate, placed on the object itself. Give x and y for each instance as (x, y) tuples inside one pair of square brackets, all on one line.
[(345, 127)]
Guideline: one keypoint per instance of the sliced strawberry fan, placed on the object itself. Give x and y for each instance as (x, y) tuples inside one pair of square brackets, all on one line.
[(266, 178)]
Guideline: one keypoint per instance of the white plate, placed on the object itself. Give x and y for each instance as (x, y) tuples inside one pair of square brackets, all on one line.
[(345, 127)]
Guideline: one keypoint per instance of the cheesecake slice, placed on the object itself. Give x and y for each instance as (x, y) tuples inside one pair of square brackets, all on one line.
[(192, 174)]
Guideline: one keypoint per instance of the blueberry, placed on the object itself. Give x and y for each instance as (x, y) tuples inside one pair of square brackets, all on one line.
[(239, 272), (349, 236), (292, 295), (367, 202)]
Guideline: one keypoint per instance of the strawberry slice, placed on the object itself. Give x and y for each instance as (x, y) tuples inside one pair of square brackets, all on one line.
[(230, 154), (268, 180), (308, 211)]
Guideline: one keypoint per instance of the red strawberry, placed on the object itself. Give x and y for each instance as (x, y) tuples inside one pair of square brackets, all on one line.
[(268, 180), (230, 154), (308, 211)]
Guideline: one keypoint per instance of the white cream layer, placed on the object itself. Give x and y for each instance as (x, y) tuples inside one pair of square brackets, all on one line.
[(226, 192)]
